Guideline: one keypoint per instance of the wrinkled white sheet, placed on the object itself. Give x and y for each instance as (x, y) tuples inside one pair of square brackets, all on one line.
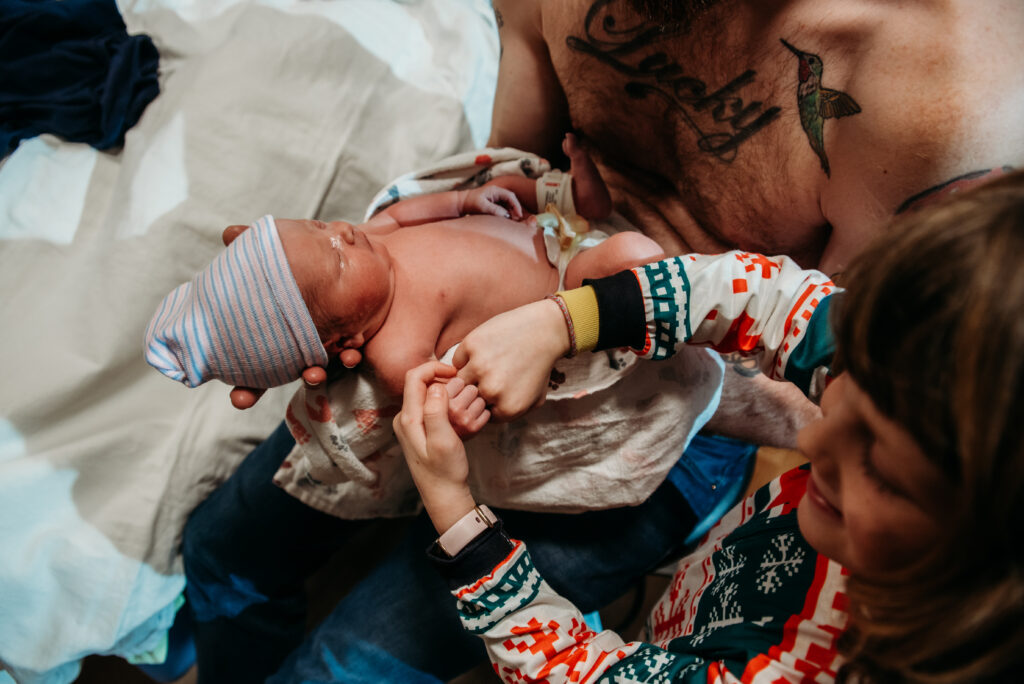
[(608, 433), (303, 108)]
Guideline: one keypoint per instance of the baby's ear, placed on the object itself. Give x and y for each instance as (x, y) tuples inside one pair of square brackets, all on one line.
[(231, 232)]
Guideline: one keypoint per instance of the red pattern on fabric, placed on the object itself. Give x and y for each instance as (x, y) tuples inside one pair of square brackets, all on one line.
[(321, 413), (752, 261), (298, 432), (792, 628), (544, 642), (368, 420), (737, 337), (796, 307), (792, 486)]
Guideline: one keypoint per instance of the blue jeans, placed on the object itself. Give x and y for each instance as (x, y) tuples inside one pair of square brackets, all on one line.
[(250, 546)]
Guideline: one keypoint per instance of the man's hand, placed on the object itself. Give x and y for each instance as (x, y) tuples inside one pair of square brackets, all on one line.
[(246, 397), (510, 357), (492, 199), (434, 453)]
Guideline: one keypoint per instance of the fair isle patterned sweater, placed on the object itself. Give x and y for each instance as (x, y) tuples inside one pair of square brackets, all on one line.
[(754, 602)]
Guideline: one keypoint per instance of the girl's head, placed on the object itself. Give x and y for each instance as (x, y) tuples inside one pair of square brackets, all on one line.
[(931, 339)]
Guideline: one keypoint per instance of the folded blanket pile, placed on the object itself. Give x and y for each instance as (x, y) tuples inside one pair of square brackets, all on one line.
[(70, 68)]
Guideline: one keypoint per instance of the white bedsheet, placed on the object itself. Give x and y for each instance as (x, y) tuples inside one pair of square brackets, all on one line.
[(303, 108)]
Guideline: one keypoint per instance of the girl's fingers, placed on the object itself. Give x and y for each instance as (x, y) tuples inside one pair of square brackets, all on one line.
[(442, 442), (410, 419)]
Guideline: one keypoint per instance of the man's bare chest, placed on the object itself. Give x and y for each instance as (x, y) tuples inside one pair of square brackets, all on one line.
[(693, 130)]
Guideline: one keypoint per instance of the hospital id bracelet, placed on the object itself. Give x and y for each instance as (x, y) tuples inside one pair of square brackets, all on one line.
[(581, 305), (466, 530)]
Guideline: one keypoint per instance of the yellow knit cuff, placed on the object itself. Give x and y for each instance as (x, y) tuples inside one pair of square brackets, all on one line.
[(582, 305)]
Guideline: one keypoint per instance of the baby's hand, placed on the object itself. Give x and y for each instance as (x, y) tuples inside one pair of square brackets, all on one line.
[(492, 199), (467, 410)]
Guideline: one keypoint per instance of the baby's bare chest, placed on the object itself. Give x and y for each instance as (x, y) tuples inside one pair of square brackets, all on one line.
[(453, 275)]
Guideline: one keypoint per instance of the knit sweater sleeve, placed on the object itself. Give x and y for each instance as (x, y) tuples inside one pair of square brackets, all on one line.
[(726, 619), (532, 634), (767, 308)]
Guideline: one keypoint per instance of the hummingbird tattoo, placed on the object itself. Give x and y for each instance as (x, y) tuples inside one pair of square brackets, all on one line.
[(817, 103)]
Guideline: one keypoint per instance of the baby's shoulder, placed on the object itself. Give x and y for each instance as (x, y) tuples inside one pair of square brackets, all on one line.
[(406, 340)]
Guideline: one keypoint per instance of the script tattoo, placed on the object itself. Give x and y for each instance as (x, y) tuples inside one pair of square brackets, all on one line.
[(618, 38), (744, 365)]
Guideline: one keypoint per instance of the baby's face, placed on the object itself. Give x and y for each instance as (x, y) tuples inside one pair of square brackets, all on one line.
[(349, 277)]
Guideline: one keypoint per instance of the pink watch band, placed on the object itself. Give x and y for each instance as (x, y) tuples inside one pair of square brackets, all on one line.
[(466, 530)]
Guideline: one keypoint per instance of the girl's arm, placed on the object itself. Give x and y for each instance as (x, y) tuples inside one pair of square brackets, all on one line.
[(532, 633), (766, 308)]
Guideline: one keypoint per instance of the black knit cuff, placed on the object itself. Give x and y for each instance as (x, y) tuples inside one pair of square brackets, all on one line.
[(621, 308), (476, 560)]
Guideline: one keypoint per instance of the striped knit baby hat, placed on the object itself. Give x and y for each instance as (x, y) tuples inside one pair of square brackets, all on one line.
[(240, 320)]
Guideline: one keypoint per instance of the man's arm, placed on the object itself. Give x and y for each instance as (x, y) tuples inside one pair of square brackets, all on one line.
[(530, 109)]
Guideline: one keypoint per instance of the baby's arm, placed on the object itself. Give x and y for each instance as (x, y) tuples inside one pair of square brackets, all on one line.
[(415, 211), (589, 192)]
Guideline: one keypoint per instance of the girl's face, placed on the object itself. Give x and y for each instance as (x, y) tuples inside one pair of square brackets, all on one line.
[(874, 501), (350, 274)]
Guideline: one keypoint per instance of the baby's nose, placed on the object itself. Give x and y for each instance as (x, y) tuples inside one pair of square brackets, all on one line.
[(345, 230)]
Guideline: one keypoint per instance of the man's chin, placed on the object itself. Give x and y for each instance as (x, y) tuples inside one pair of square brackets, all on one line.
[(672, 11)]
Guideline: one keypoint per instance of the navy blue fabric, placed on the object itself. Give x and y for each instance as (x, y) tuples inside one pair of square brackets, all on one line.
[(69, 67), (250, 546)]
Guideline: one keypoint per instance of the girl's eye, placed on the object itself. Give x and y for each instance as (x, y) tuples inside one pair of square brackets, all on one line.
[(872, 472)]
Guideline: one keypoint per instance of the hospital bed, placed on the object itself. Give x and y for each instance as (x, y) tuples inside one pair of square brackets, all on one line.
[(301, 108)]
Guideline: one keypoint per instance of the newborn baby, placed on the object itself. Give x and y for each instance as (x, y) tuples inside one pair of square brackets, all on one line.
[(401, 288)]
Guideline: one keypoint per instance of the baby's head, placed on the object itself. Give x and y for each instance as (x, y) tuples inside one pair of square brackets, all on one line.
[(276, 301)]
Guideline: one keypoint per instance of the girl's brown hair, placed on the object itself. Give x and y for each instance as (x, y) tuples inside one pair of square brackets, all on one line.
[(932, 328)]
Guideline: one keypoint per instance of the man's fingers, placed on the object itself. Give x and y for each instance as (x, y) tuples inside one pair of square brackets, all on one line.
[(245, 397), (232, 232), (350, 358), (314, 376)]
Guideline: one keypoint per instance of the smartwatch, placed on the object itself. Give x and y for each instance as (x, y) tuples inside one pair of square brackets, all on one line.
[(466, 530)]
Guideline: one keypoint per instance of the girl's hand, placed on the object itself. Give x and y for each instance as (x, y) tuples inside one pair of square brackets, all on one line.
[(510, 357), (492, 199), (433, 451)]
